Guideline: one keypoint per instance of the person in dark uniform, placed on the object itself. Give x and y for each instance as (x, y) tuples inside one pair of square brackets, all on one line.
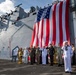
[(32, 55), (38, 55), (47, 56), (51, 53), (59, 54), (73, 58), (34, 51)]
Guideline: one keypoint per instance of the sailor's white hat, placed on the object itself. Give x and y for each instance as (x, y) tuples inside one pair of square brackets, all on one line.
[(65, 42)]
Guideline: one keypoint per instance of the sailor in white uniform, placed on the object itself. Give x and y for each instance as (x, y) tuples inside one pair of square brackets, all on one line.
[(25, 55), (44, 54), (67, 54)]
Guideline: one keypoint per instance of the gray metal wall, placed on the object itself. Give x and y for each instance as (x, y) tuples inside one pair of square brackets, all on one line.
[(71, 23)]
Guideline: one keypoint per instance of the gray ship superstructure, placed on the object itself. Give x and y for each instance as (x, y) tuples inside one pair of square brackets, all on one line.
[(15, 30)]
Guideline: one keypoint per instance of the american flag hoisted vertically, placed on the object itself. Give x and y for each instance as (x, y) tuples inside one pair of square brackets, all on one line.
[(52, 25)]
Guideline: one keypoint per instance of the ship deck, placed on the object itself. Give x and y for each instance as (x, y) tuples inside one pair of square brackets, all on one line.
[(12, 68)]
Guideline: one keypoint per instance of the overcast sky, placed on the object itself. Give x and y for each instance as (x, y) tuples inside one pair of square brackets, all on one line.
[(7, 5)]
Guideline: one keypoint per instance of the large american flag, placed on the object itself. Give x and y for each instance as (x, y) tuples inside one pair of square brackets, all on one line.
[(52, 25)]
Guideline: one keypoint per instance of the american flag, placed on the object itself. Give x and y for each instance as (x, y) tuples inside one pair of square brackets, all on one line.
[(52, 25)]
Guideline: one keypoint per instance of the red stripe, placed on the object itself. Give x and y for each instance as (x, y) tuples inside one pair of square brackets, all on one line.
[(33, 36), (60, 24), (67, 20), (54, 25), (42, 31), (47, 32), (37, 42)]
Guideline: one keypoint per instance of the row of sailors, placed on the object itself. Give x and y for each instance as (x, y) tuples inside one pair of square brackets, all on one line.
[(28, 52), (40, 55)]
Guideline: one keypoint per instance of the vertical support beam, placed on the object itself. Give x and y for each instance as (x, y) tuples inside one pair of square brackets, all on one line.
[(71, 25), (74, 22)]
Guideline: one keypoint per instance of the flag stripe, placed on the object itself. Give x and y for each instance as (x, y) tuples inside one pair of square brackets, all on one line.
[(54, 25), (60, 24), (39, 34), (51, 25), (44, 35), (67, 20), (47, 32), (57, 24), (33, 36), (37, 42), (35, 39), (63, 21), (42, 32)]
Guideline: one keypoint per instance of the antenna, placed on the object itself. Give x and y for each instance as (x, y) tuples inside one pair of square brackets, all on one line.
[(18, 5)]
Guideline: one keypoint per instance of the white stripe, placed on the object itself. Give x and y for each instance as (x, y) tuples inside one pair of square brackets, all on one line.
[(63, 20), (44, 33), (51, 25), (39, 34), (57, 23), (35, 40)]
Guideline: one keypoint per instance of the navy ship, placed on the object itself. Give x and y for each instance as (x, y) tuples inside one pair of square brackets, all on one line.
[(16, 28)]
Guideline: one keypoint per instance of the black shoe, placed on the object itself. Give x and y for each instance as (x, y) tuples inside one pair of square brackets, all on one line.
[(66, 71), (70, 72), (59, 65), (31, 63), (51, 64)]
